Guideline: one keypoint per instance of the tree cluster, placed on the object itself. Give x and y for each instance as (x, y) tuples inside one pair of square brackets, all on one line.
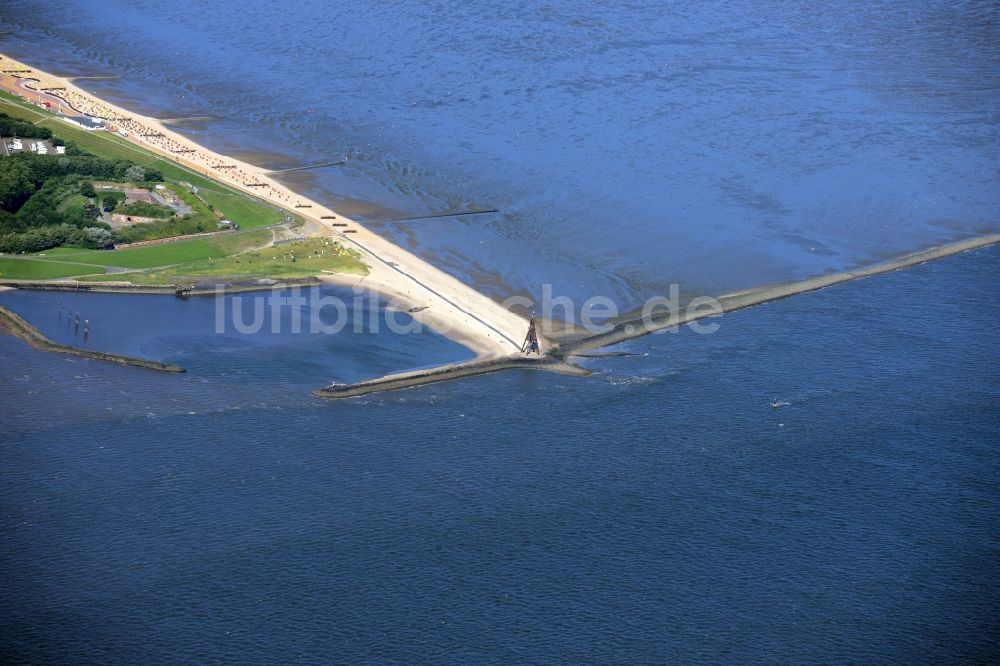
[(39, 194), (43, 238), (32, 187), (11, 127)]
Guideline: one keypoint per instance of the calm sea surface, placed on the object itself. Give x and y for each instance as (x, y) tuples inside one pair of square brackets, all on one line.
[(628, 145), (657, 511)]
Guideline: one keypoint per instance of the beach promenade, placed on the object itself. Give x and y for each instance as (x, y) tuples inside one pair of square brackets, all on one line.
[(434, 298)]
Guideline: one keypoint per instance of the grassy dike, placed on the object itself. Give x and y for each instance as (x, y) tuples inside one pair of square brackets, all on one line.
[(291, 261), (239, 255), (22, 329)]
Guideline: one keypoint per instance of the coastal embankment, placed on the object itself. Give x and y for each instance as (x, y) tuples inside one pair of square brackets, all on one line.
[(18, 327)]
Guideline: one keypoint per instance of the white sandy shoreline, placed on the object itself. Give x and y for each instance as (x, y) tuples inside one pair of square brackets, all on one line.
[(448, 305)]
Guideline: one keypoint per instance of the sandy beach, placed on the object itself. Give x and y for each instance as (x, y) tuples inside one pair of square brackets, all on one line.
[(437, 300)]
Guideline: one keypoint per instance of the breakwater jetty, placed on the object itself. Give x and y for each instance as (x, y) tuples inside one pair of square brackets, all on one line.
[(446, 373), (184, 290), (557, 358), (18, 327), (629, 327)]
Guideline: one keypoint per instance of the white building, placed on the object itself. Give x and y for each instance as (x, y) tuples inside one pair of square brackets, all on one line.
[(86, 122)]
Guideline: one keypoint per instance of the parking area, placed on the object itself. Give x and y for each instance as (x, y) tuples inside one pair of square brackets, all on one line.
[(14, 145)]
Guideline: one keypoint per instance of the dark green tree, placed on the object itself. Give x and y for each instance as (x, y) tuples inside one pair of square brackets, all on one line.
[(16, 184)]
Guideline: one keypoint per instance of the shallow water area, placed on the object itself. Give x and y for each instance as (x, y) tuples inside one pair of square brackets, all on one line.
[(242, 341), (657, 510), (627, 148)]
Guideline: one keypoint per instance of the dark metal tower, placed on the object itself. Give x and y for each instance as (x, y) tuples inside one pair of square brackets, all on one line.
[(530, 345)]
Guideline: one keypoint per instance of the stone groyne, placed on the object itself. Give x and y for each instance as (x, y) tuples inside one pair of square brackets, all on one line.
[(447, 373), (123, 287), (22, 329), (630, 327)]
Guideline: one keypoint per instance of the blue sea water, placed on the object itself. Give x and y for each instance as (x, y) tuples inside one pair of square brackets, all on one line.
[(245, 334), (629, 145), (657, 511)]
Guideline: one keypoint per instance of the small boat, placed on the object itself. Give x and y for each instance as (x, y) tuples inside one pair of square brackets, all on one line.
[(775, 404)]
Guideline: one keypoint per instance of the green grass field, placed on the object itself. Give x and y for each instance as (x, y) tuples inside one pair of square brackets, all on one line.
[(246, 211), (241, 242), (236, 255), (167, 254), (154, 279), (149, 256), (57, 252), (312, 256), (39, 269), (73, 201), (237, 207)]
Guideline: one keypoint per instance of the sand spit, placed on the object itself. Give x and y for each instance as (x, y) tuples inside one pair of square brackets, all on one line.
[(22, 329), (436, 298)]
